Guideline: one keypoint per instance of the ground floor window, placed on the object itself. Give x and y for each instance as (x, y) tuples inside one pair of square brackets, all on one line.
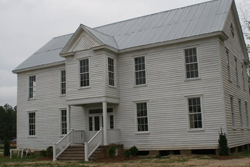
[(142, 116), (63, 122), (32, 123), (195, 112)]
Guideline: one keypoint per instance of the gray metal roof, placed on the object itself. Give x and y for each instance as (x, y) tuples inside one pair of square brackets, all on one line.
[(165, 26)]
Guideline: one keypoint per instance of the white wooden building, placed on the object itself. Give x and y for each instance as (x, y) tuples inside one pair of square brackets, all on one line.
[(165, 81)]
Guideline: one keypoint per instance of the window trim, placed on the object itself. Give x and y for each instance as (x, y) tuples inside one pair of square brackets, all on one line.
[(114, 66), (62, 82), (240, 112), (247, 115), (202, 113), (33, 98), (79, 78), (145, 62), (243, 76), (184, 63), (63, 109), (237, 71), (228, 65), (28, 117), (135, 112)]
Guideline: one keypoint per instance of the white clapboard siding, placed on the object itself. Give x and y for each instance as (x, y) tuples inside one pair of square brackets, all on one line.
[(165, 91), (238, 136), (47, 105)]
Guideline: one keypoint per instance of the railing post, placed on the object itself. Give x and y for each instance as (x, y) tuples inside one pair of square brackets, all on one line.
[(54, 152), (86, 151)]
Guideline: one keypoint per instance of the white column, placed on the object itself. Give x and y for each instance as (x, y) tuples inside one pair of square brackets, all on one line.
[(68, 119), (105, 132)]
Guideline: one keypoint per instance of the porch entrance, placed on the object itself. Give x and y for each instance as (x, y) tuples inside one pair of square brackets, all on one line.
[(95, 120)]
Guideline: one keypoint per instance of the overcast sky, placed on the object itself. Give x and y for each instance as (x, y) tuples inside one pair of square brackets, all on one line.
[(26, 25)]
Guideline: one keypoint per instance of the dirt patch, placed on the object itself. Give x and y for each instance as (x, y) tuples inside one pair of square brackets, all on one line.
[(223, 157), (44, 159), (116, 159)]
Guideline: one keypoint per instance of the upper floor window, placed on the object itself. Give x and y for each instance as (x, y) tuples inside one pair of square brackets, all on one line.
[(232, 29), (32, 123), (111, 71), (243, 77), (32, 86), (228, 66), (240, 112), (247, 116), (63, 122), (84, 72), (191, 63), (63, 82), (140, 71), (194, 112), (142, 116), (236, 71)]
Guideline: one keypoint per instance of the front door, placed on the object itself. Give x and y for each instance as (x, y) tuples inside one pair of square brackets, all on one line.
[(95, 120)]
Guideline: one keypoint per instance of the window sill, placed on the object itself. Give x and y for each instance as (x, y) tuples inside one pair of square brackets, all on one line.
[(62, 95), (234, 128), (142, 133), (113, 87), (30, 99), (229, 81), (87, 87), (32, 136), (196, 130), (144, 85), (192, 79)]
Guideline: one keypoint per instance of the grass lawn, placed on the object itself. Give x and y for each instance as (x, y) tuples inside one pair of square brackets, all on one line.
[(242, 159)]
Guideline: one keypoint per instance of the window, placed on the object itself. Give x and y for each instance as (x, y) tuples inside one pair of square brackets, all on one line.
[(232, 29), (236, 71), (140, 72), (111, 121), (191, 63), (232, 111), (247, 116), (84, 72), (243, 77), (228, 66), (32, 123), (90, 124), (111, 71), (32, 86), (63, 82), (142, 117), (195, 114), (64, 122), (241, 118)]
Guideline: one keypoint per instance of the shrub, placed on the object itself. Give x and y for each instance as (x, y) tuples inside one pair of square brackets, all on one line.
[(127, 153), (133, 150), (223, 147), (111, 151), (6, 147), (49, 151), (158, 156), (43, 153)]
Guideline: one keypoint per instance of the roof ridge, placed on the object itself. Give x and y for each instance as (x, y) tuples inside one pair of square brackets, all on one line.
[(156, 13)]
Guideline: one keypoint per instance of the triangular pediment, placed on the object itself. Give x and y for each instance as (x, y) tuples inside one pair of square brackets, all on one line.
[(80, 40)]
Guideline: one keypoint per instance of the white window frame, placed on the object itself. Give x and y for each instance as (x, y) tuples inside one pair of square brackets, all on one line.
[(112, 72), (185, 64), (232, 111), (145, 64), (136, 118), (228, 64), (247, 114), (240, 112), (79, 68), (62, 82), (34, 86), (63, 122), (236, 71), (32, 135), (202, 112)]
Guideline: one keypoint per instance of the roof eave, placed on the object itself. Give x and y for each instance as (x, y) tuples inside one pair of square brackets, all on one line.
[(39, 67)]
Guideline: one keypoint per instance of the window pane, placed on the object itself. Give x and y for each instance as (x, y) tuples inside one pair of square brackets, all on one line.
[(195, 117), (140, 73)]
